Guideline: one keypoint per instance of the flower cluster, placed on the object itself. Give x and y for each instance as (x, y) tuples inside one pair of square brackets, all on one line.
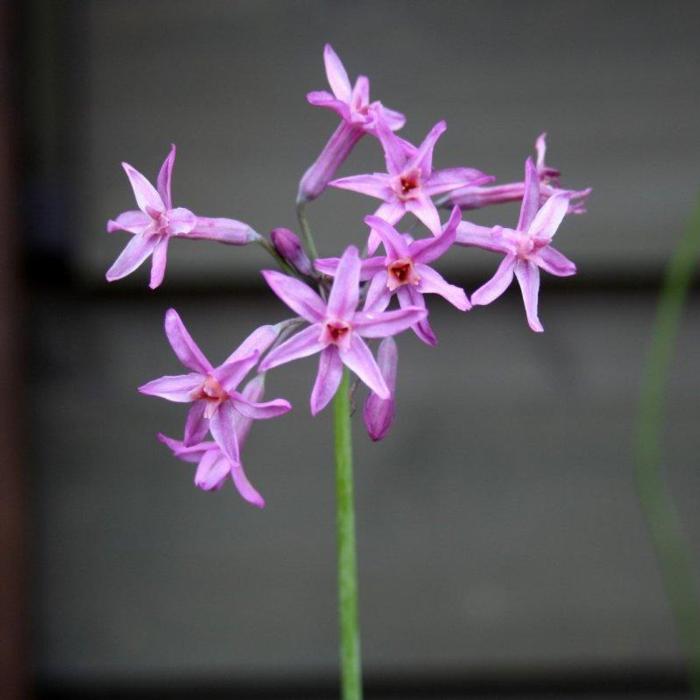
[(341, 302)]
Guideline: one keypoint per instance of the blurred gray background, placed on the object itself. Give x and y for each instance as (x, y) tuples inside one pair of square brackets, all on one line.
[(499, 530)]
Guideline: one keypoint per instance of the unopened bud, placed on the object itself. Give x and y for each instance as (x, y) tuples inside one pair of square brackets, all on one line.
[(288, 245), (379, 413)]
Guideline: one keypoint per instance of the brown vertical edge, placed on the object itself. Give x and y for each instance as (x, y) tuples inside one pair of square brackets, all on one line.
[(13, 678)]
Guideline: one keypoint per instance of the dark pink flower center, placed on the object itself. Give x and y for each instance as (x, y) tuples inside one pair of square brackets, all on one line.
[(401, 272), (212, 392), (407, 183), (337, 332)]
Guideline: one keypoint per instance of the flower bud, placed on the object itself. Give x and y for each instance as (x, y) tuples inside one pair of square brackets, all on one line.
[(288, 245), (379, 413)]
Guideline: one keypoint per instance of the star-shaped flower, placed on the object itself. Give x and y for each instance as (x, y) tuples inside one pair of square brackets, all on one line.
[(527, 247), (156, 222), (337, 330), (214, 468), (212, 390), (410, 181), (405, 271), (358, 117)]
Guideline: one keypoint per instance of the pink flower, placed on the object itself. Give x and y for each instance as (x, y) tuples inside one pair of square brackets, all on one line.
[(214, 468), (410, 181), (405, 271), (212, 391), (358, 117), (337, 330), (379, 413), (157, 222), (527, 247), (476, 196)]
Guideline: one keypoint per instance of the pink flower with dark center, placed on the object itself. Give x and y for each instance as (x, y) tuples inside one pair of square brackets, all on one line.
[(358, 117), (527, 247), (216, 403), (410, 181), (156, 222), (214, 467), (336, 330), (405, 271), (477, 196)]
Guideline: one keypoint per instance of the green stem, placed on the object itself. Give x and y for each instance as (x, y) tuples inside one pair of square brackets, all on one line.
[(664, 523), (306, 231), (351, 673)]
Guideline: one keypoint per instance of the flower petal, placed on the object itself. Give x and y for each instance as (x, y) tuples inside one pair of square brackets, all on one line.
[(260, 411), (410, 297), (222, 427), (360, 94), (394, 244), (260, 339), (244, 486), (231, 373), (358, 358), (187, 454), (212, 471), (392, 213), (330, 372), (369, 266), (549, 217), (379, 324), (296, 295), (165, 177), (429, 249), (529, 279), (158, 263), (178, 388), (302, 344), (222, 230), (531, 196), (196, 425), (423, 208), (393, 119), (336, 74), (431, 282), (133, 221), (146, 195), (323, 98), (396, 154), (135, 252), (345, 292), (423, 158), (374, 185), (448, 179), (378, 293), (183, 346), (498, 284), (253, 391), (541, 148), (554, 262)]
